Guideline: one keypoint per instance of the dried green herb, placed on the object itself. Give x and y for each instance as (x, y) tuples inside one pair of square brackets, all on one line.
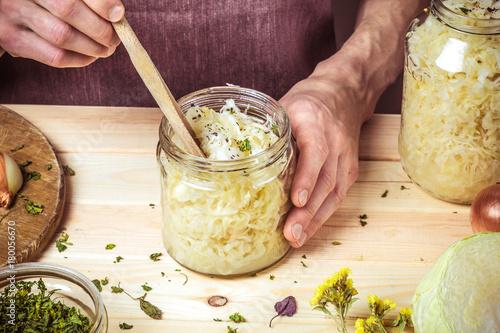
[(237, 318), (148, 308), (125, 326), (33, 207), (110, 246), (404, 188), (185, 277), (24, 165), (67, 170), (38, 311), (244, 145), (155, 256), (385, 193), (62, 242), (48, 166), (116, 290), (465, 10), (271, 277), (118, 259), (17, 148), (336, 243), (362, 219), (97, 284), (145, 287), (304, 256), (231, 330), (152, 205), (303, 264), (104, 281), (32, 175), (217, 319)]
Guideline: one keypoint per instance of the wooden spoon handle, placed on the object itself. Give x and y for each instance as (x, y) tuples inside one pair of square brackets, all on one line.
[(157, 87)]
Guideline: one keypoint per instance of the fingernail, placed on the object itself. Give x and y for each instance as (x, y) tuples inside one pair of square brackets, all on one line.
[(302, 197), (115, 13), (296, 231), (302, 239), (111, 50)]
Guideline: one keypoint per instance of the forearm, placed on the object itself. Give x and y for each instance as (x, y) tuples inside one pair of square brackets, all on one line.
[(372, 57)]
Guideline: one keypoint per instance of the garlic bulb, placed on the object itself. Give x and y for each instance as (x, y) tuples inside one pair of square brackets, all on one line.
[(11, 180)]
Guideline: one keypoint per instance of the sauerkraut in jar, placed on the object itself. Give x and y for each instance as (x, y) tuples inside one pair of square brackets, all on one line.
[(449, 141), (224, 214)]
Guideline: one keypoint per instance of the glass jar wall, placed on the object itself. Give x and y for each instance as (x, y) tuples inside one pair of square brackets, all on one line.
[(226, 217), (449, 141)]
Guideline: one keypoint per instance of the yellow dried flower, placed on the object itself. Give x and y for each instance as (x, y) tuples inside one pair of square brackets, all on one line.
[(388, 304), (406, 311), (360, 323), (370, 321)]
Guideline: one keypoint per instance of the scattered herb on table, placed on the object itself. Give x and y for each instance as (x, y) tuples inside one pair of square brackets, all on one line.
[(231, 330), (185, 277), (304, 256), (145, 287), (237, 318), (286, 307), (48, 166), (18, 148), (155, 256), (116, 289), (271, 277), (110, 246), (303, 264), (151, 310), (118, 259), (404, 188), (67, 170), (152, 205), (336, 243), (217, 319), (39, 311), (362, 219), (97, 284), (125, 326), (104, 281), (24, 165), (62, 242), (385, 193)]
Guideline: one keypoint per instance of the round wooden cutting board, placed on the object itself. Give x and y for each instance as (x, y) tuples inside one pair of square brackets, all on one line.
[(21, 233)]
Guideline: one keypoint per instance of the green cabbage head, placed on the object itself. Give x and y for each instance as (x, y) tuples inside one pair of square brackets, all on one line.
[(461, 292)]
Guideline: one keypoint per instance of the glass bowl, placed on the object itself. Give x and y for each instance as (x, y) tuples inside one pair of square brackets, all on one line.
[(72, 288)]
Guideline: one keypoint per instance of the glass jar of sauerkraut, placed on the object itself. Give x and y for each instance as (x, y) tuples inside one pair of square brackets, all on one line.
[(449, 140), (224, 214)]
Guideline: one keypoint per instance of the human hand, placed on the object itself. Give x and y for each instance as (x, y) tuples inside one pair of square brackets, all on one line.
[(326, 114), (59, 33)]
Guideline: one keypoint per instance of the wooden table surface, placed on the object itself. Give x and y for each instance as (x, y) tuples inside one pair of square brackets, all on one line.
[(112, 151)]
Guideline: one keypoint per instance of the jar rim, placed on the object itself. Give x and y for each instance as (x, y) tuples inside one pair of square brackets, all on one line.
[(239, 94), (460, 22)]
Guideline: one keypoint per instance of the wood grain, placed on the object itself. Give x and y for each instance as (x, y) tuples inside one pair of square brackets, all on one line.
[(31, 232), (108, 201)]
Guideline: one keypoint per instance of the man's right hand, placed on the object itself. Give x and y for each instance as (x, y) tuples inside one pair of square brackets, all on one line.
[(59, 33)]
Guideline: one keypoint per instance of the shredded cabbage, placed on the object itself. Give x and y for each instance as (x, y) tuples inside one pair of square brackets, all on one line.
[(450, 138), (230, 222), (461, 291)]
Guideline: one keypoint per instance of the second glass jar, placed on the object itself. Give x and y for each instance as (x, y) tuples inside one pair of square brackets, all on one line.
[(226, 217), (449, 141)]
